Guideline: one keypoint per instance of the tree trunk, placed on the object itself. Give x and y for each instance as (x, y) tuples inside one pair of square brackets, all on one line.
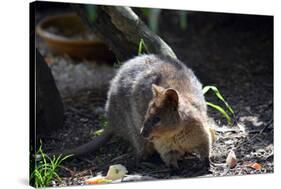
[(122, 30), (49, 105)]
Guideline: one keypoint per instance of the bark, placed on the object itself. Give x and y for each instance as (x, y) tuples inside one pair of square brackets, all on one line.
[(49, 105)]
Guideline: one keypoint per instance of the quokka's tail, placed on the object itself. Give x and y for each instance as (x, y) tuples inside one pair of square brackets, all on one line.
[(84, 149)]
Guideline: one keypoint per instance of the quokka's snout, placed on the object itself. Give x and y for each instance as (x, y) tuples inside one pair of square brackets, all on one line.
[(144, 132), (148, 126)]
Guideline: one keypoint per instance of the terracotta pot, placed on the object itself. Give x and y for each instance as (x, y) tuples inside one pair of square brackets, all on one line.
[(62, 44)]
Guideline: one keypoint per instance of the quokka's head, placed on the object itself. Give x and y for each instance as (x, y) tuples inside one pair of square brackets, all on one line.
[(162, 117)]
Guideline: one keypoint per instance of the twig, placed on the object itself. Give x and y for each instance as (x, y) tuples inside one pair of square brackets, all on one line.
[(119, 157), (257, 133), (72, 173), (84, 172), (269, 123)]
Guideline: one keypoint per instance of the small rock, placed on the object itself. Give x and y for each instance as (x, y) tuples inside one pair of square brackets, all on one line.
[(231, 159), (99, 110), (53, 183), (84, 120), (228, 142)]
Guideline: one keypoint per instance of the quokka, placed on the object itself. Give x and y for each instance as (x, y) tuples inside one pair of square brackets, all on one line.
[(156, 103)]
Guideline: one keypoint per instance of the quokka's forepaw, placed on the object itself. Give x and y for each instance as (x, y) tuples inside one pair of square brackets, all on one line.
[(174, 165), (171, 159)]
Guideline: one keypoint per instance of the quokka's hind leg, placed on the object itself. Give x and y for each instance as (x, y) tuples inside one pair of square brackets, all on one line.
[(148, 150), (142, 151)]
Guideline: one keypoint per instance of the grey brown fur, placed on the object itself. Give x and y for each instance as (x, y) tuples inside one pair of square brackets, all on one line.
[(157, 104)]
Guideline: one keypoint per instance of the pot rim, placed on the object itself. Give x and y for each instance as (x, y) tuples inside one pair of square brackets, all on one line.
[(59, 38)]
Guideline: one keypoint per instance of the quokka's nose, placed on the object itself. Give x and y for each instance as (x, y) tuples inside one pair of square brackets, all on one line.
[(144, 133)]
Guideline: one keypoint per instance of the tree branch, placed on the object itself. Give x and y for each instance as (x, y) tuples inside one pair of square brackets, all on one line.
[(121, 29)]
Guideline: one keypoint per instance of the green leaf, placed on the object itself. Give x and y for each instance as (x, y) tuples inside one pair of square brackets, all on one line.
[(68, 156), (98, 132), (218, 94), (221, 110), (103, 121), (141, 47)]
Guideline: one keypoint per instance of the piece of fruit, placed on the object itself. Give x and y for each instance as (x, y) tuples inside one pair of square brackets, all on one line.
[(97, 180), (116, 172)]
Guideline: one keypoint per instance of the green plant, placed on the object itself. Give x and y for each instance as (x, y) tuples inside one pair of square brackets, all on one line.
[(91, 11), (103, 121), (97, 133), (183, 19), (153, 17), (45, 169), (117, 64), (142, 46), (229, 112)]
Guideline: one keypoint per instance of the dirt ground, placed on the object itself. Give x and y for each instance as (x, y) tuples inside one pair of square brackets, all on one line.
[(232, 52)]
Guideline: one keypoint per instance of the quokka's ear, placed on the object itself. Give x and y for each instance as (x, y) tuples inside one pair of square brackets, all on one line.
[(157, 90), (172, 97)]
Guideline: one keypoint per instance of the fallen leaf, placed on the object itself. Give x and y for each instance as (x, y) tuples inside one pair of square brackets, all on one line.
[(255, 166), (97, 180), (116, 172), (231, 159)]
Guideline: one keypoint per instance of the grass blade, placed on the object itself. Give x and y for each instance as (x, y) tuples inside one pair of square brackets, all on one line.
[(46, 169), (98, 132), (183, 20), (141, 47), (221, 110), (218, 94)]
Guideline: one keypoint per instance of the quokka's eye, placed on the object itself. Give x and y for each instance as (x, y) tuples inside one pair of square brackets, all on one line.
[(155, 120)]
